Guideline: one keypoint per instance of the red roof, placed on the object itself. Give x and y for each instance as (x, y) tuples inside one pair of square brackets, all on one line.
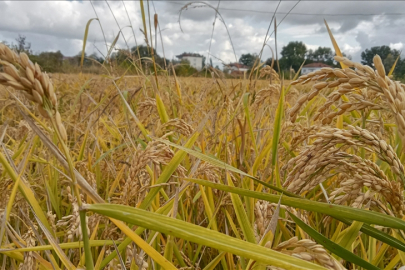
[(238, 65), (188, 54), (320, 65)]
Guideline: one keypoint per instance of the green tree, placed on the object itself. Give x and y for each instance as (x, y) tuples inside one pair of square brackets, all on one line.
[(184, 68), (96, 57), (388, 56), (322, 54), (145, 53), (248, 59), (268, 63), (293, 55), (399, 71), (49, 61), (22, 45)]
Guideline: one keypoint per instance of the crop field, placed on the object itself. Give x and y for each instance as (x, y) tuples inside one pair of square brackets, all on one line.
[(120, 171)]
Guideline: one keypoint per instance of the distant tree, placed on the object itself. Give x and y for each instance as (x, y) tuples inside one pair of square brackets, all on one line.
[(96, 57), (49, 61), (184, 68), (269, 61), (387, 55), (145, 53), (399, 71), (293, 55), (248, 59), (22, 45), (322, 54)]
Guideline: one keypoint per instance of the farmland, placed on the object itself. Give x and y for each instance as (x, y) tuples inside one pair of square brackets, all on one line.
[(201, 173)]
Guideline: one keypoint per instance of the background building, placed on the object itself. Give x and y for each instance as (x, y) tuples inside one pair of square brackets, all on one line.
[(195, 59), (234, 68), (313, 67)]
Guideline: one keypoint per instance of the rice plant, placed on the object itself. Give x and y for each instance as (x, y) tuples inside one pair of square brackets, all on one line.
[(164, 172)]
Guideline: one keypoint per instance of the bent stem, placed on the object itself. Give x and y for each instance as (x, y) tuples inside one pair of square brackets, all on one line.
[(76, 191)]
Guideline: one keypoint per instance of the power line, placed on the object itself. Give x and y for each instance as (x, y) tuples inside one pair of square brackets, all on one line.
[(303, 14)]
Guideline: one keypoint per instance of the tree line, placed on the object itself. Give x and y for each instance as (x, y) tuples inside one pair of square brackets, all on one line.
[(296, 52), (292, 57), (119, 58)]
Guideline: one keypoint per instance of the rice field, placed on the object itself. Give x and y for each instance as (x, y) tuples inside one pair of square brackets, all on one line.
[(163, 172)]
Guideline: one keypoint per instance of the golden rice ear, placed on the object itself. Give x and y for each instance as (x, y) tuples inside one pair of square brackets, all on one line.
[(28, 96), (12, 71), (37, 97), (339, 58), (38, 87), (379, 65), (61, 127), (50, 90), (42, 112), (30, 75), (44, 81), (37, 69), (58, 118), (155, 20), (54, 100), (8, 54), (320, 85), (15, 85), (25, 61), (7, 77), (348, 62), (26, 83)]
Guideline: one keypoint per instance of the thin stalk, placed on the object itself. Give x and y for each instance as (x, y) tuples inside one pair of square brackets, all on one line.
[(76, 191)]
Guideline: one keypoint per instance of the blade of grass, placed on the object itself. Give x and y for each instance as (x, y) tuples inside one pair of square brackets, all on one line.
[(71, 245), (25, 190), (215, 261), (277, 128), (340, 211), (394, 65), (86, 33), (335, 45), (249, 120), (241, 214), (199, 235), (113, 45)]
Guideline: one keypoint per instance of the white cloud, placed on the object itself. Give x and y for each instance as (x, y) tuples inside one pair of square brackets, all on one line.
[(397, 46), (59, 25), (350, 49), (312, 47)]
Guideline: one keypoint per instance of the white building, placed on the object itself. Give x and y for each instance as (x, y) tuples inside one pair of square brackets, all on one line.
[(313, 67), (235, 68), (195, 59)]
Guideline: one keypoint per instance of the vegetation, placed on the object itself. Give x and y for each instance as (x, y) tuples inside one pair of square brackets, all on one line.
[(160, 172)]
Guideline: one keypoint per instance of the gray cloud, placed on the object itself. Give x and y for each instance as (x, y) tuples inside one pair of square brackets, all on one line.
[(60, 25)]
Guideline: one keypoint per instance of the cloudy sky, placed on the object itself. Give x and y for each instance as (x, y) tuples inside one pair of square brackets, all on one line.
[(60, 25)]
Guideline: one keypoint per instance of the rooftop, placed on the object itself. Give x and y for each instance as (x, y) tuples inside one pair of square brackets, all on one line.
[(238, 65), (188, 54)]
